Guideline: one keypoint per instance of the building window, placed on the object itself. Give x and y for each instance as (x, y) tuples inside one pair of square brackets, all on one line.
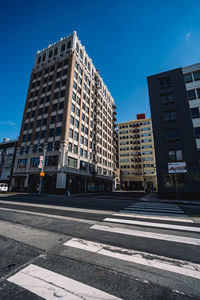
[(50, 53), (196, 75), (191, 94), (60, 118), (51, 160), (172, 134), (43, 134), (195, 112), (21, 163), (72, 162), (53, 119), (38, 124), (50, 146), (55, 51), (76, 136), (82, 139), (81, 151), (58, 131), (71, 133), (198, 93), (44, 122), (51, 132), (73, 96), (169, 115), (77, 112), (65, 62), (175, 155), (35, 162), (46, 109), (75, 149), (22, 150), (197, 132), (188, 77), (35, 148), (54, 107), (61, 105), (72, 120), (168, 98), (73, 108), (70, 147), (172, 180), (99, 170), (85, 154), (63, 48), (57, 145), (27, 149), (165, 81), (76, 123)]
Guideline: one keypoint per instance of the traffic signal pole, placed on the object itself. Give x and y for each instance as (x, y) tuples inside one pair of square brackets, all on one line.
[(44, 154)]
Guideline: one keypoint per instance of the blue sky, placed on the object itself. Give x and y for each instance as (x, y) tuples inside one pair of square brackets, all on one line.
[(127, 41)]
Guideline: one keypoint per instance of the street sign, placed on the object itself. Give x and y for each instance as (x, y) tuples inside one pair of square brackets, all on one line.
[(41, 163), (70, 181), (42, 174), (177, 167)]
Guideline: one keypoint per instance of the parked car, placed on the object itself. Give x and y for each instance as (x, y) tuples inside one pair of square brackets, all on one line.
[(3, 187)]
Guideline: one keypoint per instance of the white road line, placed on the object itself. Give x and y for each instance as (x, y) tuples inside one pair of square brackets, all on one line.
[(156, 206), (153, 213), (155, 210), (149, 224), (142, 258), (131, 215), (149, 235), (50, 285)]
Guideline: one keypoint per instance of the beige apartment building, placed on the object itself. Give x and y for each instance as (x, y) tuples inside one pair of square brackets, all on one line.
[(136, 154), (69, 117)]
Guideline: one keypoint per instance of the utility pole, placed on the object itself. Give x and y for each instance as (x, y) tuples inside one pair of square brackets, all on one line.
[(176, 183), (42, 172)]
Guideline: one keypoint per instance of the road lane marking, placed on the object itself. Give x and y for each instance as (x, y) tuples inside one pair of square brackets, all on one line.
[(142, 258), (50, 285), (63, 208), (155, 210), (149, 224), (131, 215), (149, 235), (29, 212)]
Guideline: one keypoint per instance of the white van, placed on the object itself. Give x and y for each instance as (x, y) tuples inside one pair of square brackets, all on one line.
[(3, 187)]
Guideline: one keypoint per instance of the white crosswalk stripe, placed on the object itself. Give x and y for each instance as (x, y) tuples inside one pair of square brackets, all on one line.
[(149, 235), (50, 285), (151, 224), (154, 208), (132, 256)]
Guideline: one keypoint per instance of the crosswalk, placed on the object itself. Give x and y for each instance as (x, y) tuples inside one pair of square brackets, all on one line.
[(154, 208), (154, 232)]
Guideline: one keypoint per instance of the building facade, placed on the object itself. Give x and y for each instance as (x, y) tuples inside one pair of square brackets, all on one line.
[(136, 154), (70, 113), (7, 157), (175, 110)]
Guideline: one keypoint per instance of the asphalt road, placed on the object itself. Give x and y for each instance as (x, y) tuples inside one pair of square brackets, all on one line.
[(98, 248)]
